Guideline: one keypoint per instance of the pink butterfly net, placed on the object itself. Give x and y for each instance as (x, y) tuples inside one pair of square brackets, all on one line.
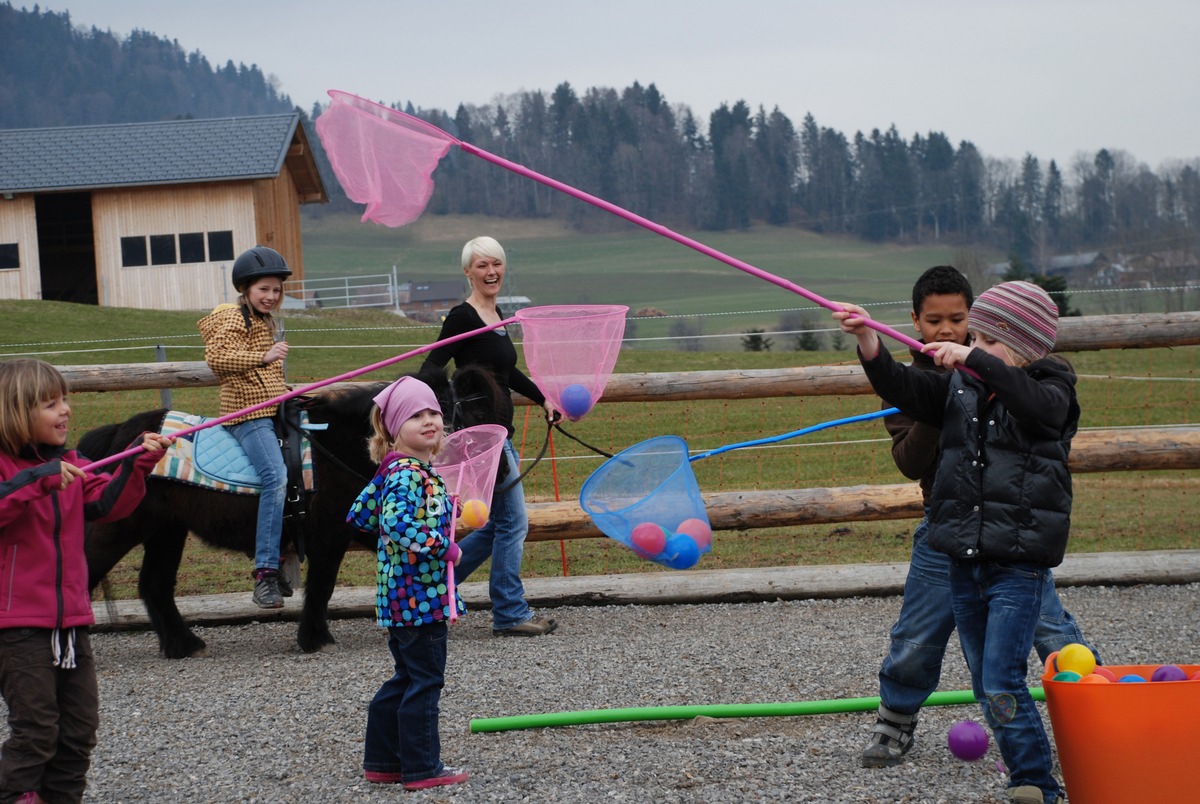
[(468, 461), (387, 167), (571, 351)]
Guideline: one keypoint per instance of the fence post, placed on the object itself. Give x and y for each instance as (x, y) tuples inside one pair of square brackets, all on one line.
[(164, 394)]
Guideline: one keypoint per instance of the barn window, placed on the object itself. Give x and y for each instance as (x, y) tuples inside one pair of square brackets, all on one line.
[(220, 246), (191, 247), (10, 256), (162, 249), (133, 252)]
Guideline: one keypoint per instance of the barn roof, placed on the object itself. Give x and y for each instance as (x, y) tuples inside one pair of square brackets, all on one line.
[(165, 152)]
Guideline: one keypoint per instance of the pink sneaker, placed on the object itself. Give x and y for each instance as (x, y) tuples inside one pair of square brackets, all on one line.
[(383, 777), (447, 776)]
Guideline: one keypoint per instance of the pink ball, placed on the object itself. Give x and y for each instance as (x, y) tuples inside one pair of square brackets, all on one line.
[(967, 740), (1169, 672), (1196, 676), (648, 539), (699, 530)]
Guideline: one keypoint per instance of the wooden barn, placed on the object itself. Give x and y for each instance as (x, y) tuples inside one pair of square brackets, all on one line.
[(150, 215)]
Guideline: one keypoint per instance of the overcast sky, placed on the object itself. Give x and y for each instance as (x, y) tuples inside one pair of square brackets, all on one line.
[(1048, 77)]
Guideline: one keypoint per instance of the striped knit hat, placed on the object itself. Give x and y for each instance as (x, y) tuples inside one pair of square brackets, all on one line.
[(1019, 315)]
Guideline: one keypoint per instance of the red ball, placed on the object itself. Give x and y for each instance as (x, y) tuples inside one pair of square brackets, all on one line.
[(648, 539), (699, 530), (1104, 671)]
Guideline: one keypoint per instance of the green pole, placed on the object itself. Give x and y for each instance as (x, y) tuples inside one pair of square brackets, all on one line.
[(782, 709)]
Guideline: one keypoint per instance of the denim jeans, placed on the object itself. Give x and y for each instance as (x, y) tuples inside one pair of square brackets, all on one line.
[(502, 540), (258, 439), (997, 607), (53, 715), (913, 666), (402, 719)]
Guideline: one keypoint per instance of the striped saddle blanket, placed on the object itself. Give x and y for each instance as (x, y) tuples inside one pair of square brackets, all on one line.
[(213, 458)]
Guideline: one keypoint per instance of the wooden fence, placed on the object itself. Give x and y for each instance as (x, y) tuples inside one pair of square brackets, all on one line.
[(1102, 450)]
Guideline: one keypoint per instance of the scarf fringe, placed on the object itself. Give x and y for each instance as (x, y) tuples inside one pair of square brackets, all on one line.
[(63, 659)]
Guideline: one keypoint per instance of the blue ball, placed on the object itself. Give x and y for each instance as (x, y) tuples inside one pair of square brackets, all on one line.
[(681, 552), (575, 400), (1132, 678)]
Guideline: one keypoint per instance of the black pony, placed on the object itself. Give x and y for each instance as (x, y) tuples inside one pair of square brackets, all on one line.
[(341, 467)]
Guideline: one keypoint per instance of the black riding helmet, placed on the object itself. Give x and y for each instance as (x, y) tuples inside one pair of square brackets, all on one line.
[(256, 262)]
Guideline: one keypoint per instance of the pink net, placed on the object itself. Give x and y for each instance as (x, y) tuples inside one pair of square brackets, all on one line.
[(571, 351), (383, 158), (468, 461)]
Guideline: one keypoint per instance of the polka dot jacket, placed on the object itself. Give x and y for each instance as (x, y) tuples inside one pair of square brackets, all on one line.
[(406, 505)]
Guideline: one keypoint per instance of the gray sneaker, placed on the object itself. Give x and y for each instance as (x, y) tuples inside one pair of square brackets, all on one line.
[(1029, 794), (266, 590), (535, 626), (891, 739)]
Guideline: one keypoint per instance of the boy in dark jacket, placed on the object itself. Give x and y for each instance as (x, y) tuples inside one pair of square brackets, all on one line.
[(911, 670), (1000, 505)]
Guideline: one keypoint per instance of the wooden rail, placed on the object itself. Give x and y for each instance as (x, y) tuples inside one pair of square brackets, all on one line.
[(1106, 450), (1093, 333)]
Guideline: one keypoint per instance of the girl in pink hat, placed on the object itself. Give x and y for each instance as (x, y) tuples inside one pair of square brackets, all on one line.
[(407, 507)]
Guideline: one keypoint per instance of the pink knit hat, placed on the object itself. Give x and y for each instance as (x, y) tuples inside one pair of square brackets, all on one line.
[(402, 400), (1019, 315)]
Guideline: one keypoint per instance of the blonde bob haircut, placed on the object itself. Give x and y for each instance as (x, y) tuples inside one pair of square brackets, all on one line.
[(482, 247), (25, 384)]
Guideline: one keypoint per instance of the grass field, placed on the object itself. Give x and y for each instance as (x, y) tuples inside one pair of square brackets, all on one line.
[(1118, 511)]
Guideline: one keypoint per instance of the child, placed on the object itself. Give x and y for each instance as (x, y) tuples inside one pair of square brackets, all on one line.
[(942, 297), (1000, 505), (407, 506), (47, 674), (240, 348)]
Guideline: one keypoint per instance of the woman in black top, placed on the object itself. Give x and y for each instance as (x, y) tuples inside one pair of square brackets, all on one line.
[(502, 539)]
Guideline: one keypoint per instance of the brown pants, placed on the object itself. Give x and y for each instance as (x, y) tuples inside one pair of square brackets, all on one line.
[(53, 715)]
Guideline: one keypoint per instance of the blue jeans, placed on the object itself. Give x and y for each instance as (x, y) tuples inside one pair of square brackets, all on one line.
[(258, 439), (997, 607), (913, 666), (402, 719), (502, 540)]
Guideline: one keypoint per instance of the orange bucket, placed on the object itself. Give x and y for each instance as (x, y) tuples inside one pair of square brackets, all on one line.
[(1126, 742)]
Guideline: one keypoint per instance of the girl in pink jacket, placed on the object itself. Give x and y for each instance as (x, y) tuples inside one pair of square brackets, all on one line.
[(47, 675)]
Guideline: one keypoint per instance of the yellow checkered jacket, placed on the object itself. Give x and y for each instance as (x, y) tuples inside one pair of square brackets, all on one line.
[(235, 355)]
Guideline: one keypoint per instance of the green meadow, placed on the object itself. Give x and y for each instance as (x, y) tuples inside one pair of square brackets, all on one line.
[(1120, 388)]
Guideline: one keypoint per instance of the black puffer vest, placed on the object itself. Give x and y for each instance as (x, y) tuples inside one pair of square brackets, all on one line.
[(1002, 492)]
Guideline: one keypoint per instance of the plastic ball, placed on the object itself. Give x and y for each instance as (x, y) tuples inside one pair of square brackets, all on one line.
[(1196, 676), (699, 530), (1076, 658), (681, 552), (1094, 678), (1132, 678), (1105, 672), (474, 513), (967, 740), (575, 401), (1168, 672), (648, 540), (1069, 676)]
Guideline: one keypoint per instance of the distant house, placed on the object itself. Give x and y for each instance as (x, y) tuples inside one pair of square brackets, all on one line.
[(429, 301), (149, 215)]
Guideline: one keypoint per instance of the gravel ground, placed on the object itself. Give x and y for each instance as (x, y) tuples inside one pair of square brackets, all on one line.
[(258, 721)]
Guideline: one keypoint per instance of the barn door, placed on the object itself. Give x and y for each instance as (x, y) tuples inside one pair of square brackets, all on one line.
[(67, 247)]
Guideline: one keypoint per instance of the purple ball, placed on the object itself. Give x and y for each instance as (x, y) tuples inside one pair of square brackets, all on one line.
[(1169, 672), (967, 740)]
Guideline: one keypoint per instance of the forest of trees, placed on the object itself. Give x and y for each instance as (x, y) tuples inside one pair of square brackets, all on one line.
[(737, 167)]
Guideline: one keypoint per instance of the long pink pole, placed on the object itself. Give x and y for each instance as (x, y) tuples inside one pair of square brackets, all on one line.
[(295, 392), (658, 228)]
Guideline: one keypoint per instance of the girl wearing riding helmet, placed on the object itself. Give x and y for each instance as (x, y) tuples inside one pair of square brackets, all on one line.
[(240, 348)]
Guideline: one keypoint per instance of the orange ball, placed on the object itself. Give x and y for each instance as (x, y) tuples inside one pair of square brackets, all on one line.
[(474, 513)]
